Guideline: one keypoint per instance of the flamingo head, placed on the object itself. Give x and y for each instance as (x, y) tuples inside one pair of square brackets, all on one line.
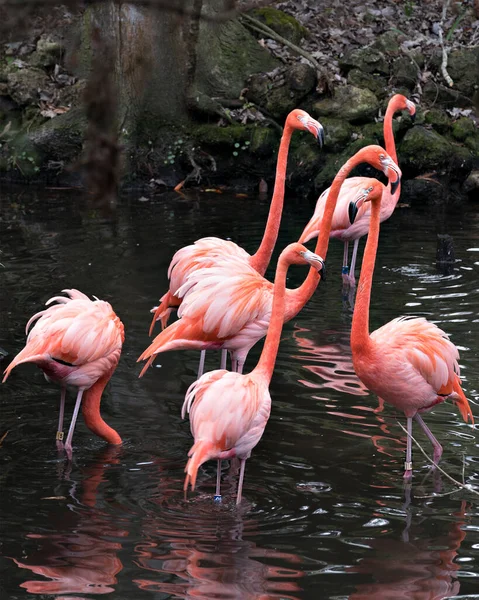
[(297, 254), (300, 119), (400, 102), (371, 192)]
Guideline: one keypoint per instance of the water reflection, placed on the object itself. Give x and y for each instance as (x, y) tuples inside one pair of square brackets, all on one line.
[(82, 560), (416, 566), (199, 550)]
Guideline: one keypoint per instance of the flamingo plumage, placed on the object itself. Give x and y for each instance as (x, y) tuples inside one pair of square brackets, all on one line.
[(408, 362), (206, 251), (342, 228), (229, 411), (77, 342), (229, 305)]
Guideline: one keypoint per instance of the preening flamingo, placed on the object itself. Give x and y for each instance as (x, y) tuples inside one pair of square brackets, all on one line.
[(342, 228), (229, 411), (76, 342), (409, 362), (228, 306), (204, 252)]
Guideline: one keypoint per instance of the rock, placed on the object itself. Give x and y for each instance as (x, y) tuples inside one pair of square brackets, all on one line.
[(370, 81), (279, 100), (349, 102), (60, 139), (436, 93), (366, 59), (25, 84), (264, 141), (472, 184), (424, 150), (404, 72), (283, 24), (438, 119), (463, 128), (463, 67), (48, 52), (388, 43), (301, 79), (423, 191), (337, 133), (305, 162)]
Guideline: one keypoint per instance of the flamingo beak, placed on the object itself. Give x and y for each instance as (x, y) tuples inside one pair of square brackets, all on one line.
[(412, 109), (315, 261), (395, 185), (317, 130), (352, 211), (389, 165)]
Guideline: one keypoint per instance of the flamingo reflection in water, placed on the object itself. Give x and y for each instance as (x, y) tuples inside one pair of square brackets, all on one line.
[(422, 569), (211, 559), (83, 560), (331, 365)]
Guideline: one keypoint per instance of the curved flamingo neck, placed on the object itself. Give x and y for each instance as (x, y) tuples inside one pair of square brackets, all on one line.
[(297, 298), (267, 359), (91, 412), (260, 260), (393, 106), (360, 339)]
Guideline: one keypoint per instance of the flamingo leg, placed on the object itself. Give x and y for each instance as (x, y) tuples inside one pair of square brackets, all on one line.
[(345, 269), (218, 482), (68, 443), (408, 463), (59, 436), (201, 366), (224, 356), (436, 445), (240, 482), (352, 268), (240, 365), (234, 365)]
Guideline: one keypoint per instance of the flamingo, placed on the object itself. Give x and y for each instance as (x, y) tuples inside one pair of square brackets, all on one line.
[(409, 362), (188, 259), (229, 411), (228, 306), (77, 342), (342, 228)]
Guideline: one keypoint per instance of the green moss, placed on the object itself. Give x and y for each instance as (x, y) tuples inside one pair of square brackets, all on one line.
[(438, 119), (212, 135), (463, 128), (264, 141), (370, 81), (337, 133), (280, 22), (423, 149)]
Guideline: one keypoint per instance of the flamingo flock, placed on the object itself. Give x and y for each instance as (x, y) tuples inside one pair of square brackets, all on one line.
[(224, 302)]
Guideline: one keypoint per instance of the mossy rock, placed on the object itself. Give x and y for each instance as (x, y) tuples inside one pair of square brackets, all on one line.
[(463, 128), (227, 55), (370, 81), (424, 150), (437, 93), (214, 136), (337, 133), (368, 59), (439, 120), (264, 141), (49, 51), (283, 24), (388, 43), (24, 84), (463, 67), (404, 72), (61, 139), (353, 104), (305, 160)]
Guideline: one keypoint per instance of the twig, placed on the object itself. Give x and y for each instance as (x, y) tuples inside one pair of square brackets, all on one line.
[(444, 72), (465, 486), (265, 30)]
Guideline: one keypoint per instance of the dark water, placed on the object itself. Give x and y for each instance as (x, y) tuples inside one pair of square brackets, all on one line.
[(324, 512)]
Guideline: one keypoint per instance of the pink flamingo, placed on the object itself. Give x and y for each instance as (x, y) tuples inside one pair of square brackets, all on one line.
[(205, 252), (409, 362), (228, 306), (76, 342), (342, 228), (229, 411)]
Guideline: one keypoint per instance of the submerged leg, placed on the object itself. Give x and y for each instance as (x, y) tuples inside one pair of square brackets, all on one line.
[(224, 356), (59, 436), (436, 445), (352, 268), (408, 463), (68, 443), (218, 482), (201, 366), (345, 269), (240, 482)]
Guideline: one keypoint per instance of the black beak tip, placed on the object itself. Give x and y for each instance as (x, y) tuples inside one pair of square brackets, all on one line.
[(395, 185), (321, 138), (323, 272), (352, 212)]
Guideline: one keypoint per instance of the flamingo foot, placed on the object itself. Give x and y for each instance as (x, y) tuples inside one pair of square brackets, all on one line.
[(68, 451)]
